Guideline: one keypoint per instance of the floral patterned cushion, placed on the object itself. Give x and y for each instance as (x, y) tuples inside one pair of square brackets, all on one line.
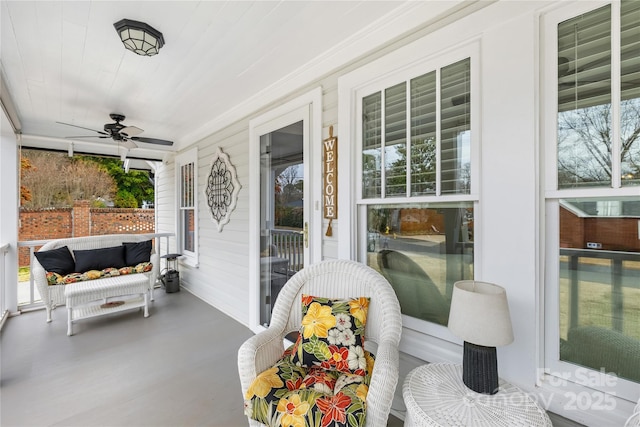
[(72, 278), (57, 279), (110, 272), (332, 334), (91, 275), (54, 278), (291, 395), (143, 267)]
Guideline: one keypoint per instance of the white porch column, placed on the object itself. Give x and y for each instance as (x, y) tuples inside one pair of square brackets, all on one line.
[(9, 204)]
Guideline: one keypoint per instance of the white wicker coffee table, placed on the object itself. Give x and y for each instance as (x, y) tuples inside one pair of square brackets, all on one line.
[(94, 297), (435, 395)]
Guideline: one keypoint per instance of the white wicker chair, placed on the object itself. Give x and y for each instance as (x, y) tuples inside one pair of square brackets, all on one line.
[(634, 419), (334, 279)]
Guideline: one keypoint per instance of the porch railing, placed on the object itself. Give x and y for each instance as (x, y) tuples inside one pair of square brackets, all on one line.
[(34, 297), (289, 245), (616, 280)]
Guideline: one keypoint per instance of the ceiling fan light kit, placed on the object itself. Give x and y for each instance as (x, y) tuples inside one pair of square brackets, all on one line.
[(139, 37)]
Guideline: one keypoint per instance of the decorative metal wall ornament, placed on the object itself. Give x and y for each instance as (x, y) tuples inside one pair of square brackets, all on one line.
[(222, 188)]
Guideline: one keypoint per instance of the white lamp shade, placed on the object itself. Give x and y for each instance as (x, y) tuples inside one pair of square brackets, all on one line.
[(480, 314)]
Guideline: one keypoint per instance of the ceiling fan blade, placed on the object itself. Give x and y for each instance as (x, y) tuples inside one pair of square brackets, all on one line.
[(131, 130), (82, 127), (128, 144), (152, 140), (87, 136)]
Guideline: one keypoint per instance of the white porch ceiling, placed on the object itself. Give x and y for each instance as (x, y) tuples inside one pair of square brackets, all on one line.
[(63, 62)]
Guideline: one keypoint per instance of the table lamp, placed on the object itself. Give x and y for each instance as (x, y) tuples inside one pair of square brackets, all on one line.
[(480, 316)]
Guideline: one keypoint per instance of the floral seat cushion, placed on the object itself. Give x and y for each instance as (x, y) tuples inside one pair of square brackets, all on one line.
[(288, 394), (57, 279)]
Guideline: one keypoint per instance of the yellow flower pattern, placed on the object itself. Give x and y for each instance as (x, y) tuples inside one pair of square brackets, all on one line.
[(362, 391), (370, 361), (318, 321), (304, 396), (263, 383), (359, 308), (294, 410)]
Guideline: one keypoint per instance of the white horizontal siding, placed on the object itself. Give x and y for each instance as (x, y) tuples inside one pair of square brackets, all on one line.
[(165, 201), (223, 277)]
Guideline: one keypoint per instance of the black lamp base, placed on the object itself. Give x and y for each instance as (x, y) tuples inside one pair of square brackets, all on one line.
[(480, 368)]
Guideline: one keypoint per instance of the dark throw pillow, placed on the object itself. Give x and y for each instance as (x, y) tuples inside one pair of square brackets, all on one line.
[(99, 259), (137, 252), (56, 260)]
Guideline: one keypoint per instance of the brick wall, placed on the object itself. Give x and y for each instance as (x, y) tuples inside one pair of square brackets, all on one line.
[(421, 221), (571, 230), (614, 234), (122, 221), (81, 220), (38, 224)]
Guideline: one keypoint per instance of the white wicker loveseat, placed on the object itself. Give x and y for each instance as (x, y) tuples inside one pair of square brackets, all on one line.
[(339, 279), (53, 295)]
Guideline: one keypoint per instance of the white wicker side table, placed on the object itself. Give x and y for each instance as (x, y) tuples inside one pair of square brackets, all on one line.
[(435, 395)]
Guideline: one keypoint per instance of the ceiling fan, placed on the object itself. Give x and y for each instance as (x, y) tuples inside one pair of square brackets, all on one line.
[(125, 135)]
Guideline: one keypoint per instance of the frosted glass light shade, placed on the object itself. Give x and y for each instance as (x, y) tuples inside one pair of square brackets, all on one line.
[(139, 37), (480, 314)]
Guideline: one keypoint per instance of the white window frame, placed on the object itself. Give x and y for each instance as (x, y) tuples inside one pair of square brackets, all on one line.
[(352, 89), (569, 386), (191, 156)]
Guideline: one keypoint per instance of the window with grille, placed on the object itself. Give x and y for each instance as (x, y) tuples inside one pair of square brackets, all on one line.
[(416, 204), (416, 136), (592, 200), (187, 170)]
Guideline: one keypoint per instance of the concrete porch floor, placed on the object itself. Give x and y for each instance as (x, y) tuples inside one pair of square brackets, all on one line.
[(177, 367)]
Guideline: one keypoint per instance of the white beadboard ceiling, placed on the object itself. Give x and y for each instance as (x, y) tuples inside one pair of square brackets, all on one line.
[(62, 61)]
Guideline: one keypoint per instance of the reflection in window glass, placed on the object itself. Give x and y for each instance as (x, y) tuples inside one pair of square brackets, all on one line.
[(189, 229), (187, 205), (584, 100), (371, 145), (423, 135), (281, 212), (585, 122), (630, 93), (395, 147), (422, 249), (415, 162), (600, 285), (455, 131)]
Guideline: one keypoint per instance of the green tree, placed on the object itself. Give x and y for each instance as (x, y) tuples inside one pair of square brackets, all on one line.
[(124, 199), (288, 198), (137, 184), (423, 167)]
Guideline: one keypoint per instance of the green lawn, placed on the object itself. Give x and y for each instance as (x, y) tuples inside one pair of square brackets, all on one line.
[(23, 274)]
